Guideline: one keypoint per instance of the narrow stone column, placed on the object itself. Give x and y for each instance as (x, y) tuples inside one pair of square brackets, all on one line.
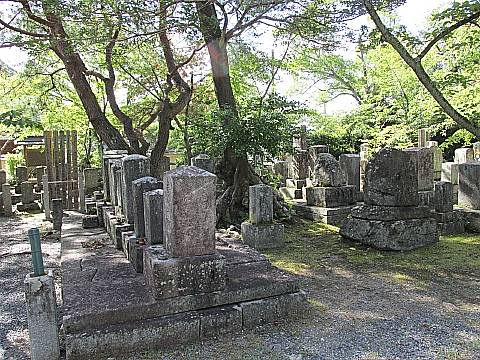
[(57, 210), (260, 204), (3, 177), (81, 191), (21, 174), (153, 214), (350, 165), (423, 137), (7, 200), (46, 197), (139, 187), (476, 151), (42, 317), (27, 192), (443, 197), (133, 168), (39, 172)]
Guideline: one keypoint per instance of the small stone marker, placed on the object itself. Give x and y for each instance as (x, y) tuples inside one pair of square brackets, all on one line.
[(57, 212), (423, 136), (81, 192), (46, 197), (153, 214), (260, 232), (3, 177), (139, 187), (133, 168), (350, 165), (7, 200), (21, 174), (424, 158), (301, 161), (443, 197), (314, 152), (437, 158), (42, 317), (39, 172), (27, 192), (203, 161), (476, 151), (92, 180)]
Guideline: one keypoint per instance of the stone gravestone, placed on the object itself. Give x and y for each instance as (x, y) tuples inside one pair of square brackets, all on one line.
[(153, 215), (449, 221), (21, 175), (469, 185), (423, 136), (300, 139), (141, 186), (81, 192), (329, 184), (390, 218), (114, 165), (188, 263), (7, 199), (463, 155), (203, 161), (476, 151), (109, 155), (133, 168), (280, 168), (92, 180), (39, 172), (450, 174), (364, 156), (424, 159), (437, 158), (3, 177), (314, 152), (350, 165), (260, 232)]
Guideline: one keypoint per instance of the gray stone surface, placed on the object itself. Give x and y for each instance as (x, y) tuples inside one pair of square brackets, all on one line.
[(133, 168), (135, 253), (90, 221), (391, 179), (296, 184), (300, 139), (330, 196), (81, 192), (450, 172), (423, 137), (114, 165), (205, 162), (313, 152), (139, 187), (476, 151), (290, 193), (469, 185), (260, 204), (427, 198), (46, 197), (3, 177), (57, 214), (42, 317), (263, 236), (464, 155), (424, 158), (7, 200), (443, 196), (21, 174), (472, 220), (437, 158), (331, 216), (118, 192), (390, 213), (39, 172), (350, 165), (106, 161), (281, 168), (220, 320), (300, 164), (92, 180), (327, 172), (399, 235), (171, 277), (189, 211), (27, 192), (119, 230), (153, 215)]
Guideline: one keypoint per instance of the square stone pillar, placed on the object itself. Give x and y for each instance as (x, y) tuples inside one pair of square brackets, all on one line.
[(42, 317), (153, 215), (476, 151), (39, 172), (423, 137), (301, 162), (92, 180), (7, 200), (114, 165), (109, 155), (469, 185), (260, 204), (21, 174), (140, 186), (443, 197), (133, 168), (3, 177), (81, 191), (46, 197), (189, 215), (424, 159), (27, 192)]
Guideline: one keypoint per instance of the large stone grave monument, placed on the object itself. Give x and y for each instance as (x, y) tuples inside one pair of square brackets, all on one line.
[(391, 218)]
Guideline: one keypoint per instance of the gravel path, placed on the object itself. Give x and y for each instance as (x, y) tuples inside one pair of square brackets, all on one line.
[(358, 312)]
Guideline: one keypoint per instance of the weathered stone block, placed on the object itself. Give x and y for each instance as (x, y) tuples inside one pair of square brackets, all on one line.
[(330, 196), (450, 172), (119, 230), (350, 166), (89, 221), (426, 198), (3, 177), (281, 168), (133, 168), (300, 164), (391, 179), (153, 214), (390, 213), (21, 174), (170, 277), (437, 158), (135, 253), (327, 172), (472, 220), (27, 192), (262, 236), (469, 185), (220, 320), (92, 180), (397, 235), (7, 200), (267, 310), (443, 196), (331, 216), (297, 184), (139, 187), (126, 237), (464, 155), (203, 161), (189, 211), (291, 193), (260, 205), (424, 159)]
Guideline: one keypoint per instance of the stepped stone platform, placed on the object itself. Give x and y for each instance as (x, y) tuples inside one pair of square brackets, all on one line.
[(109, 310), (335, 216)]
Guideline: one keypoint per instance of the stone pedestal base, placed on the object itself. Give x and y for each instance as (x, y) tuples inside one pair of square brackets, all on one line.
[(390, 228), (264, 236), (332, 216), (330, 196), (170, 277), (28, 207), (450, 223), (472, 219), (90, 221)]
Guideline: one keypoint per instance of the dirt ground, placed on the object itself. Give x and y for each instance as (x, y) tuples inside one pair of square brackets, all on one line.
[(365, 304)]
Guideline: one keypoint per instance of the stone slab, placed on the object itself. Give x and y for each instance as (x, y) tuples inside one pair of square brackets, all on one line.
[(331, 216), (263, 236), (135, 253), (330, 196), (390, 213), (90, 221)]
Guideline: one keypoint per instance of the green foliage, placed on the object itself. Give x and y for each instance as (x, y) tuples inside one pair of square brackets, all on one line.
[(14, 160)]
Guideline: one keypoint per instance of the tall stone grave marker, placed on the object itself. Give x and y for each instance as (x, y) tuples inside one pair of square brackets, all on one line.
[(133, 167)]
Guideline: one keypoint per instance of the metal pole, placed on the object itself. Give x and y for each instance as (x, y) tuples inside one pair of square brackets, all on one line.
[(37, 259)]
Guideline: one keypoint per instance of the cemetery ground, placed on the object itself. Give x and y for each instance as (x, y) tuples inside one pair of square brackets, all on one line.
[(365, 304)]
